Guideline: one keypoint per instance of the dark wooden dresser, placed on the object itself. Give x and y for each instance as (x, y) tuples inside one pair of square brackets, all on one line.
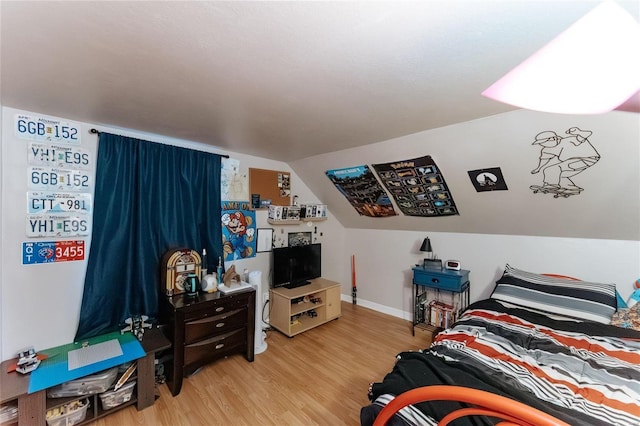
[(206, 327)]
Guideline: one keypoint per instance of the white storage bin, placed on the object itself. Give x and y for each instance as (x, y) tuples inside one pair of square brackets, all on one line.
[(112, 398), (87, 385), (69, 414), (8, 413)]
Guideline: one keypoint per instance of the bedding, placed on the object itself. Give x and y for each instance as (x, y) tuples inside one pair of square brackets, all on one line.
[(556, 295), (584, 373)]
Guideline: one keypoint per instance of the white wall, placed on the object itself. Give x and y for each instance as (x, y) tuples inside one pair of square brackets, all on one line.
[(594, 236), (385, 258), (608, 208), (40, 304), (1, 227)]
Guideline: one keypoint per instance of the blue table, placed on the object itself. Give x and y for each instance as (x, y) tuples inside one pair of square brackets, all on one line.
[(439, 282)]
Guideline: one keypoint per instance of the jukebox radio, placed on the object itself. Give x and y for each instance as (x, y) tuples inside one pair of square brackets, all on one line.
[(176, 265)]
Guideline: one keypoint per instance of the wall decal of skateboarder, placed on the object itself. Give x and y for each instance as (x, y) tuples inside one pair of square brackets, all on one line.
[(561, 158)]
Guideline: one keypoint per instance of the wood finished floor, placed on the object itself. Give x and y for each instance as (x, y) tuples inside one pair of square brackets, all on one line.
[(319, 377)]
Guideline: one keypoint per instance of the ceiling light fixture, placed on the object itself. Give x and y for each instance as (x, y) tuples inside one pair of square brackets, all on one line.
[(593, 67)]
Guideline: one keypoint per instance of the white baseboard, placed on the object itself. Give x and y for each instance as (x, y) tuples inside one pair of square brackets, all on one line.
[(378, 307)]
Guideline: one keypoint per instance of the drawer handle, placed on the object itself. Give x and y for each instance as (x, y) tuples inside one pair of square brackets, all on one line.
[(435, 280), (220, 324), (207, 319), (220, 309), (220, 346)]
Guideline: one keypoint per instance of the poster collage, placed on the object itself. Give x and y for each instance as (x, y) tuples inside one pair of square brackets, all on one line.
[(241, 238), (416, 185)]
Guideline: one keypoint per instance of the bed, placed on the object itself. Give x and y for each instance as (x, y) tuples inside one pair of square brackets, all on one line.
[(543, 341)]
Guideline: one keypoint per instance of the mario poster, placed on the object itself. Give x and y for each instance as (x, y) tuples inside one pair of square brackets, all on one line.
[(238, 230)]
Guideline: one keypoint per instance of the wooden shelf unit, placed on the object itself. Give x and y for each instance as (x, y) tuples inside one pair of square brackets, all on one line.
[(284, 222), (295, 215), (32, 407), (292, 309)]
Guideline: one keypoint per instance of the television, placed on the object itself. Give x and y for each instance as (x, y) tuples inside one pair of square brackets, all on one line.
[(295, 266)]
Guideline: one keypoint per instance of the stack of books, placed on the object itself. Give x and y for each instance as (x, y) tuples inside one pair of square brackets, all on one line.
[(441, 314)]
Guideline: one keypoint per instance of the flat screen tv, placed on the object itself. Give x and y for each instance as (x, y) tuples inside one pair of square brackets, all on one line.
[(295, 266)]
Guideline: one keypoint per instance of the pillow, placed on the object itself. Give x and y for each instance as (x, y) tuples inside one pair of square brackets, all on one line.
[(579, 300), (627, 317)]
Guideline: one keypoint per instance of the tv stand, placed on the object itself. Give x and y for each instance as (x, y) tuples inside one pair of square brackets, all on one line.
[(296, 310), (296, 285)]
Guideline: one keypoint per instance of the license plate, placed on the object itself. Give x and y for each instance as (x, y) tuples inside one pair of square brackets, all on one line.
[(57, 225), (40, 154), (47, 129), (51, 179), (52, 251), (58, 202)]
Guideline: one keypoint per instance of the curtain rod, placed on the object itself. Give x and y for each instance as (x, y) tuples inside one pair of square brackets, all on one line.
[(96, 131)]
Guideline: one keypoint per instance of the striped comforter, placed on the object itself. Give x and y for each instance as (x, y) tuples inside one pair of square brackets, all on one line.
[(582, 373)]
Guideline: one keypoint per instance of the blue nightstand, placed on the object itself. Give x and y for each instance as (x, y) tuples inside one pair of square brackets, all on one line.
[(440, 295)]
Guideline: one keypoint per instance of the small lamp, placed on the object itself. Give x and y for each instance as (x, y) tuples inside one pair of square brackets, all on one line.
[(430, 261), (426, 247)]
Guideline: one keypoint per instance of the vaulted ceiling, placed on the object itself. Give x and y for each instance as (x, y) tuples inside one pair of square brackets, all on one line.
[(280, 80)]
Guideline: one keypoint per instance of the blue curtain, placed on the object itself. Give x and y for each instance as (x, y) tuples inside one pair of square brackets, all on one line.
[(149, 198)]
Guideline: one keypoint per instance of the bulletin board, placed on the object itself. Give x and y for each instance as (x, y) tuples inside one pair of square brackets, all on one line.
[(271, 185)]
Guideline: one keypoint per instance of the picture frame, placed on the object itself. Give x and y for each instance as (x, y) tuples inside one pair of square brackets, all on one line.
[(264, 240), (299, 239), (255, 201)]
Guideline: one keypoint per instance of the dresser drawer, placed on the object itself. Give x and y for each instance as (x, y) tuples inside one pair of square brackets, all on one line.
[(215, 307), (210, 326), (441, 279), (214, 347)]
